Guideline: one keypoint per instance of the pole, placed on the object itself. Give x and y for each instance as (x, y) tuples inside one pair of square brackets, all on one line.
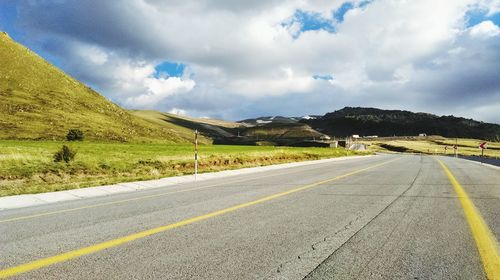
[(456, 147), (195, 154)]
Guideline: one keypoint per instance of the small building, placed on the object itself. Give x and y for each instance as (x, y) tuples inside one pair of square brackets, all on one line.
[(355, 136), (422, 135)]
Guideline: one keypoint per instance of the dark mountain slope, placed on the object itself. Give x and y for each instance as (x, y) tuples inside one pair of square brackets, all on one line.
[(372, 121)]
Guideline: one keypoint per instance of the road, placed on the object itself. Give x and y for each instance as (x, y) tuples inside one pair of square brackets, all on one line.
[(380, 217)]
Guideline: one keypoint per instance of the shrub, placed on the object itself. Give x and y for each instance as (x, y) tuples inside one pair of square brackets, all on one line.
[(75, 135), (64, 154)]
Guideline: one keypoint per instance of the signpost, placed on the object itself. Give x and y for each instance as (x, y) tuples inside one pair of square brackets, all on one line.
[(482, 146), (455, 147), (195, 154)]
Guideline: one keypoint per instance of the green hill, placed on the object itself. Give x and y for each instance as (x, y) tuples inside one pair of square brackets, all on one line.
[(373, 121), (39, 101)]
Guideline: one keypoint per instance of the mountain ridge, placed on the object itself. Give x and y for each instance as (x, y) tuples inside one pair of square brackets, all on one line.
[(373, 121)]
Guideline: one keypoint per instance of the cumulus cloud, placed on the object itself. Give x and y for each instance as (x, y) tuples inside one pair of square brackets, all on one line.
[(247, 58), (485, 29), (159, 89)]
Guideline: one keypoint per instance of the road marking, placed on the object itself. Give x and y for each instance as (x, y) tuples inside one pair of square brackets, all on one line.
[(8, 272), (136, 198), (485, 241), (105, 204)]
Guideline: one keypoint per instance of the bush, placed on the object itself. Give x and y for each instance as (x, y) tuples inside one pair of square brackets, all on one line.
[(64, 154), (75, 135)]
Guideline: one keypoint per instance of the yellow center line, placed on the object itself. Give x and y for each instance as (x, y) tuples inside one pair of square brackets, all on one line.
[(485, 240), (136, 198), (8, 272)]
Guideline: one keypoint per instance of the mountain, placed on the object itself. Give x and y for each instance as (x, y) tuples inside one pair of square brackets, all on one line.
[(271, 119), (373, 121), (39, 101), (208, 128)]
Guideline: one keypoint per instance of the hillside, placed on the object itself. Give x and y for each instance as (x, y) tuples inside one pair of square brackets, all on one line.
[(372, 121), (273, 119), (39, 101), (185, 126)]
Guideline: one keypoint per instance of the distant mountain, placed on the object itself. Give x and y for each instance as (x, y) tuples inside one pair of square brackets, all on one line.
[(373, 121), (276, 130), (272, 119), (39, 101)]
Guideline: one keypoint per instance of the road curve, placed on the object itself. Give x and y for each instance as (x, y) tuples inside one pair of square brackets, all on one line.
[(382, 217)]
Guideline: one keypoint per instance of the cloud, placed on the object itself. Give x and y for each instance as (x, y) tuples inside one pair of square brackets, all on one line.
[(177, 111), (485, 29), (159, 89), (236, 59)]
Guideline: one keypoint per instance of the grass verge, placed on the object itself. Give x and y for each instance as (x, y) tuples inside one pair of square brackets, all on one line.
[(433, 145), (28, 166)]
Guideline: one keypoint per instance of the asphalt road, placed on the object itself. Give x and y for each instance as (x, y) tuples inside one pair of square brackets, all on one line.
[(381, 217)]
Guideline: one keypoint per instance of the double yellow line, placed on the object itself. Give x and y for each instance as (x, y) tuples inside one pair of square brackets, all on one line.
[(485, 240), (16, 270)]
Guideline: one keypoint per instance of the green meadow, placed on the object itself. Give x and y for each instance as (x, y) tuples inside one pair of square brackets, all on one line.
[(28, 166)]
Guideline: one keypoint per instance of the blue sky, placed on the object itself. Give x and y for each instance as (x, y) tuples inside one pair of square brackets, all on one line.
[(8, 15), (170, 69), (310, 20), (477, 16), (234, 60), (340, 12)]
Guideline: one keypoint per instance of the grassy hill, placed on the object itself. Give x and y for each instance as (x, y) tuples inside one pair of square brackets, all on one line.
[(372, 121), (432, 145), (266, 130), (276, 131), (208, 128), (39, 101)]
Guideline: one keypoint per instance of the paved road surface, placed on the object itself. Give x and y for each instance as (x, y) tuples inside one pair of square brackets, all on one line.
[(492, 161), (382, 217)]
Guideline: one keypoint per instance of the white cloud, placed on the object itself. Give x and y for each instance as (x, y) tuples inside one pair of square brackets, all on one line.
[(177, 111), (93, 54), (239, 56), (159, 89), (485, 29)]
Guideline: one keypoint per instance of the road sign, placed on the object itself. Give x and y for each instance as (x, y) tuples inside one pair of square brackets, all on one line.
[(482, 146)]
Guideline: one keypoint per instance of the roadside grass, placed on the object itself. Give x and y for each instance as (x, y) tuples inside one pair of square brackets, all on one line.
[(434, 145), (28, 166)]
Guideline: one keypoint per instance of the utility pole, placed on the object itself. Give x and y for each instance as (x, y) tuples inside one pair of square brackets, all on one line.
[(195, 154)]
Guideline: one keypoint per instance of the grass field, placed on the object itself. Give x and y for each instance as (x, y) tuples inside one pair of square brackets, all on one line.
[(28, 166), (433, 145)]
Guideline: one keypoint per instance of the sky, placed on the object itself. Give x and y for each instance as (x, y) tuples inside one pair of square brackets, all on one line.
[(240, 59)]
